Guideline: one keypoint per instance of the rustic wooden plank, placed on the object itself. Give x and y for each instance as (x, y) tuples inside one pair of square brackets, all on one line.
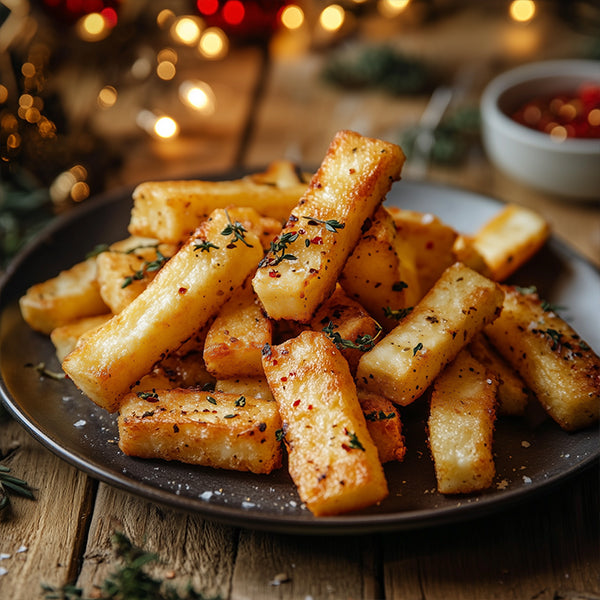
[(291, 566), (190, 550), (50, 530), (524, 553)]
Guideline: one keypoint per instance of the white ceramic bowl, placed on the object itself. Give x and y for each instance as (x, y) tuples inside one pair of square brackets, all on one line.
[(568, 168)]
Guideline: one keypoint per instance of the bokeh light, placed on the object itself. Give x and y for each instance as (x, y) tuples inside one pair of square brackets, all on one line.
[(292, 16), (332, 17), (522, 11), (213, 44)]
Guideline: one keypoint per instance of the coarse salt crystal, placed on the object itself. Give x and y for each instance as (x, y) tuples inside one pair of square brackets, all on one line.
[(79, 423), (526, 479), (3, 571)]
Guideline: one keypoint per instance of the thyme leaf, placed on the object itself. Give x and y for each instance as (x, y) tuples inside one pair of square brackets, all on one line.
[(417, 348), (397, 313), (149, 266), (354, 442), (11, 485), (330, 224), (237, 230), (130, 581), (205, 246), (278, 249), (364, 342)]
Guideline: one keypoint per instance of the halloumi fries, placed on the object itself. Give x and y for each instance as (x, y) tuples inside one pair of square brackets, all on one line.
[(269, 322), (303, 265), (187, 291), (332, 458), (406, 361), (214, 429), (555, 362), (461, 426), (73, 294)]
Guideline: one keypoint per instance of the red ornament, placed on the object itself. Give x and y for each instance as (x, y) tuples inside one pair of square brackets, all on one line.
[(250, 20)]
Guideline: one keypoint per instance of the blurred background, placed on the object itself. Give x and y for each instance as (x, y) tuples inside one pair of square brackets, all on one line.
[(97, 94)]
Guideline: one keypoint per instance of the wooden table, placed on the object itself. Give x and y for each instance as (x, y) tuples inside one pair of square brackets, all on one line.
[(546, 548)]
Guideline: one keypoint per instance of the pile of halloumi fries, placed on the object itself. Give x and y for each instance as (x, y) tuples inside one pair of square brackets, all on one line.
[(285, 319)]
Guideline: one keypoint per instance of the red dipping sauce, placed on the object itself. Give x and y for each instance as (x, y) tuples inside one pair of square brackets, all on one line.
[(565, 115)]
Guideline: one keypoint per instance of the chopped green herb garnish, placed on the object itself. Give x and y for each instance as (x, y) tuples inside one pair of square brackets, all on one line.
[(150, 396), (364, 343), (148, 267), (211, 399), (555, 336), (98, 249), (397, 313), (279, 435), (205, 246), (278, 250), (237, 230), (241, 401), (330, 224), (417, 348), (354, 441)]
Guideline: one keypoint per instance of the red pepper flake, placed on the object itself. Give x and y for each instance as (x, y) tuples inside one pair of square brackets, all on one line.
[(317, 240), (182, 290), (274, 274), (295, 403), (284, 378)]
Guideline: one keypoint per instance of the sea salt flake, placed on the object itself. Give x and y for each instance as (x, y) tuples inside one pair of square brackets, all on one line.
[(3, 571), (79, 423), (206, 495), (22, 549), (3, 555), (246, 504), (526, 479)]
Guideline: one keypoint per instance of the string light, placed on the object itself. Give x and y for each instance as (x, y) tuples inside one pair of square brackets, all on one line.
[(213, 44), (107, 97), (208, 7), (186, 30), (233, 12), (163, 126), (292, 17), (522, 11), (392, 8), (93, 27), (199, 96), (332, 17)]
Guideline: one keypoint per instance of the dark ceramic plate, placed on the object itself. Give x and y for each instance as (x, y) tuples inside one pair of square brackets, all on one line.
[(532, 454)]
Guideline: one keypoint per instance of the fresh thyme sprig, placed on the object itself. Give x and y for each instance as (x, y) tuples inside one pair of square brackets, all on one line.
[(237, 230), (129, 582), (330, 224), (9, 484), (278, 250), (363, 342), (45, 372), (149, 266)]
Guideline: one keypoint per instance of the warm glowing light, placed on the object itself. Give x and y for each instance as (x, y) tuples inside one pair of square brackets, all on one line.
[(166, 70), (199, 95), (93, 27), (32, 115), (80, 191), (233, 12), (26, 101), (522, 10), (186, 30), (392, 8), (141, 68), (164, 18), (213, 43), (594, 117), (46, 128), (166, 127), (332, 17), (13, 141), (110, 16), (28, 69), (292, 17), (208, 7), (3, 93), (167, 54), (107, 96), (558, 133)]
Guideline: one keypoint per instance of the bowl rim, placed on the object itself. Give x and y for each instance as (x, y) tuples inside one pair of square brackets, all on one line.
[(586, 69)]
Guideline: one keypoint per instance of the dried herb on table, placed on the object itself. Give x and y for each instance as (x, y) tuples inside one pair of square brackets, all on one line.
[(129, 582), (9, 485)]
